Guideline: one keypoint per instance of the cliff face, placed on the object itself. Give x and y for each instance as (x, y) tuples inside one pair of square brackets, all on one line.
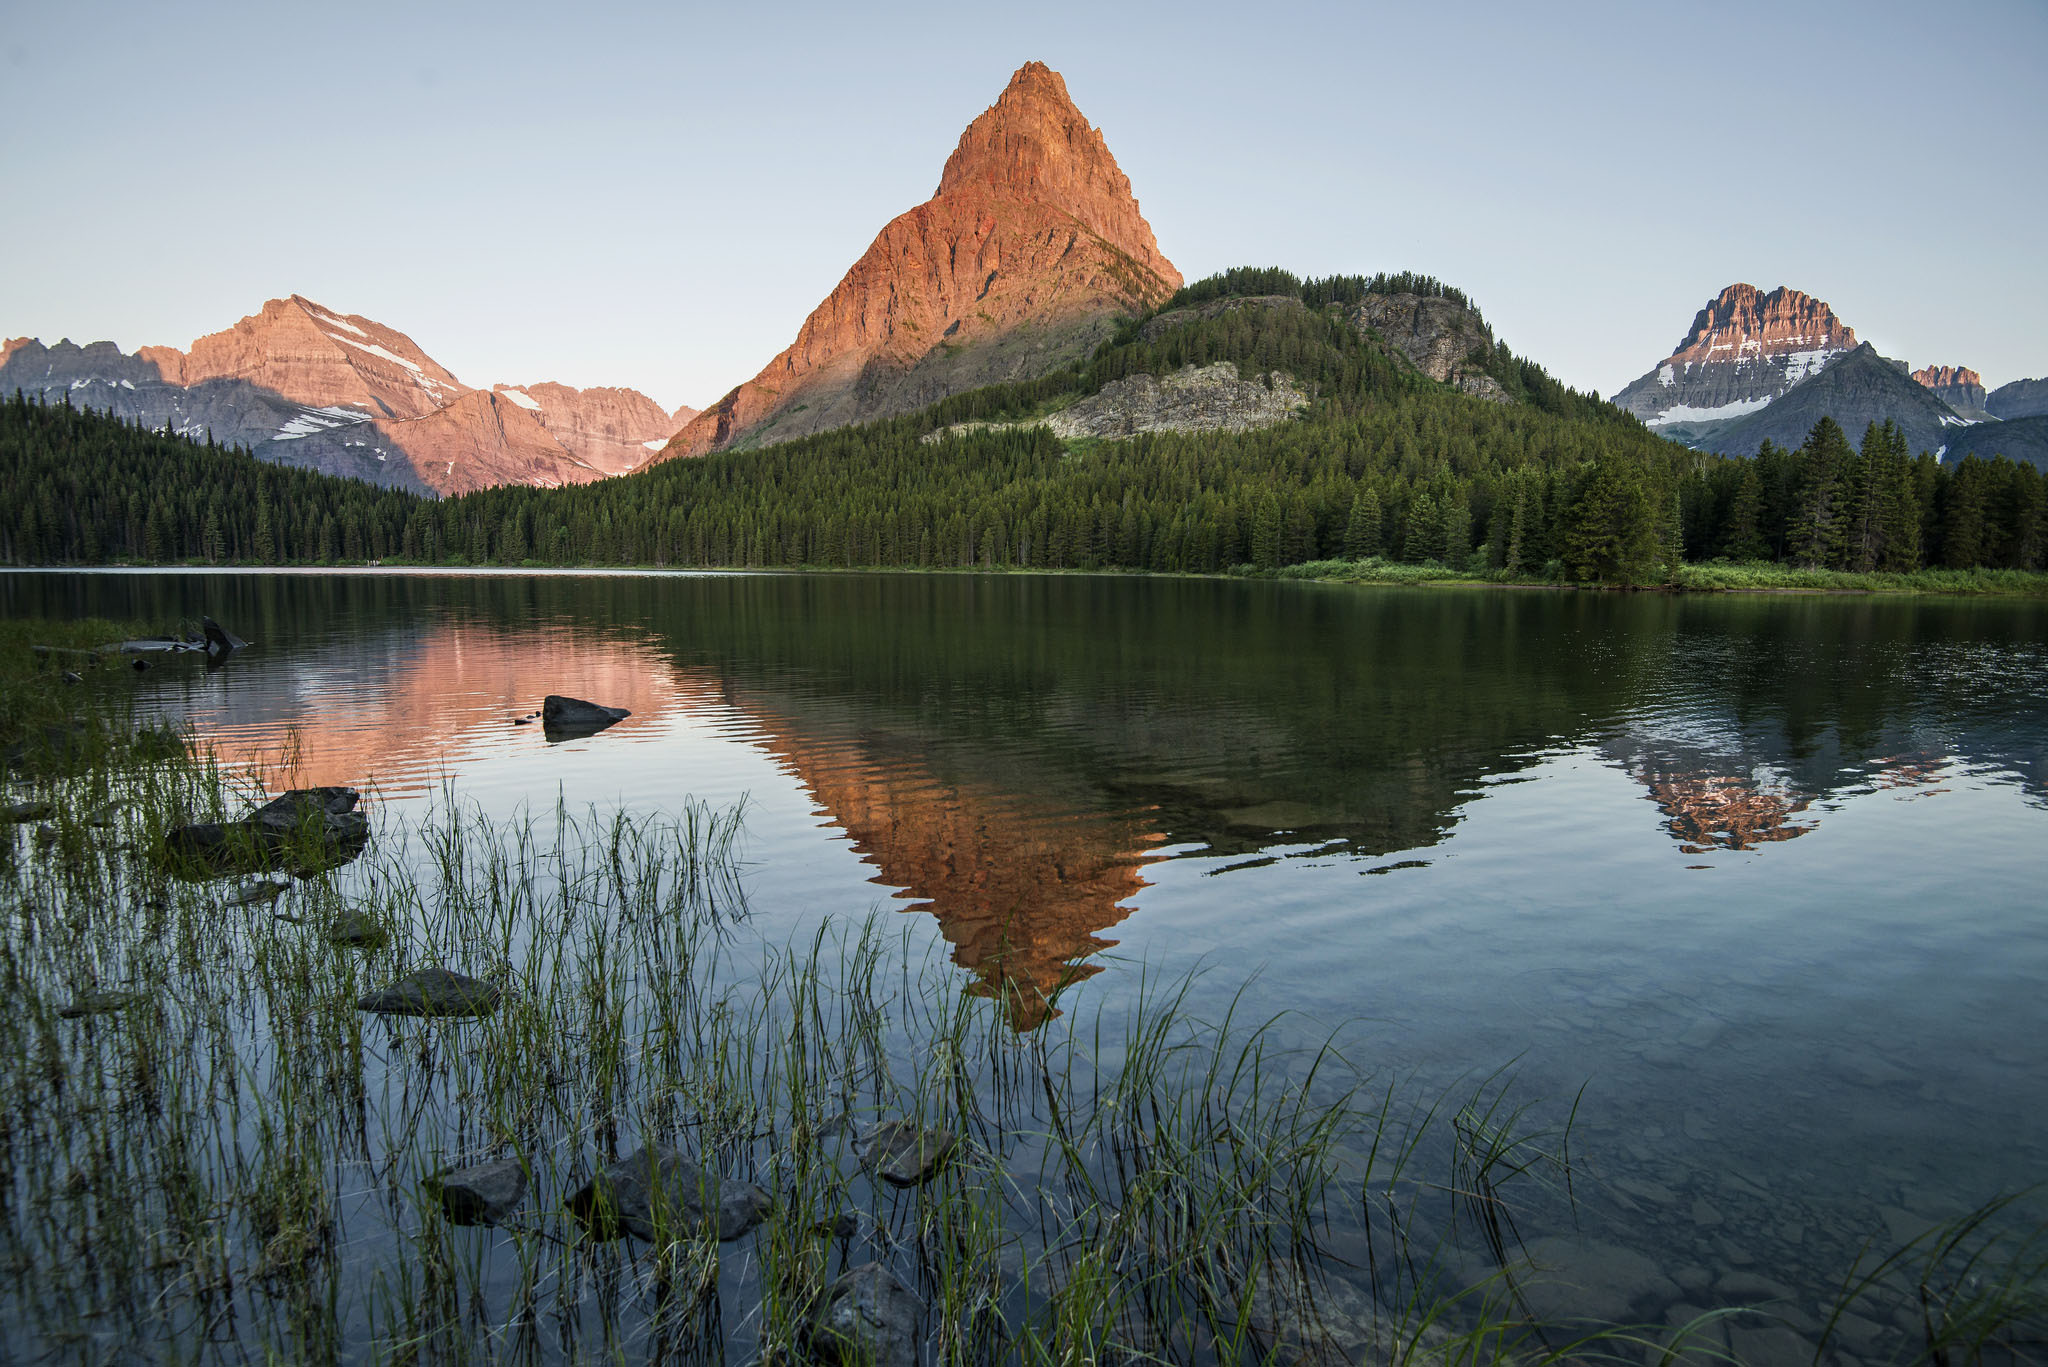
[(610, 430), (1960, 388), (1743, 350), (1021, 260), (303, 385), (1439, 336)]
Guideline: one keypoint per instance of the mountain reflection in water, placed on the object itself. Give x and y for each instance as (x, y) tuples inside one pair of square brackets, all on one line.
[(1011, 752)]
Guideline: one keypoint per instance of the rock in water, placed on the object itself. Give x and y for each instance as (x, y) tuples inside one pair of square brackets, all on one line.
[(98, 1004), (563, 717), (356, 930), (480, 1194), (866, 1316), (304, 831), (904, 1153), (658, 1186), (23, 812), (434, 992), (258, 893)]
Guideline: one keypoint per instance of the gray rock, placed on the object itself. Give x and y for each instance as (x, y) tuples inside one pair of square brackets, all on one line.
[(98, 1003), (481, 1193), (659, 1188), (434, 992), (562, 717), (260, 893), (904, 1153), (866, 1316), (1208, 398), (22, 812), (302, 832), (356, 930)]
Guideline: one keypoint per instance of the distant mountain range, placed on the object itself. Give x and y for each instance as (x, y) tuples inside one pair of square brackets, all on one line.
[(1023, 261), (303, 385), (1758, 367)]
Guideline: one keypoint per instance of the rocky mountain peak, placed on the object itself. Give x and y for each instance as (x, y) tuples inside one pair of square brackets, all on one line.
[(1020, 263), (1957, 386), (1942, 376), (1743, 350), (1742, 321)]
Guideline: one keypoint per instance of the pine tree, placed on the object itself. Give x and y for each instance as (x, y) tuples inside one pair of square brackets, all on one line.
[(1820, 527), (1744, 539), (1611, 531), (1362, 528)]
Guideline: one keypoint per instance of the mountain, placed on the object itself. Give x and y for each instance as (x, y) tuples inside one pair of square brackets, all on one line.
[(1031, 248), (2022, 439), (1744, 349), (303, 385), (1957, 386), (2020, 399), (1855, 390)]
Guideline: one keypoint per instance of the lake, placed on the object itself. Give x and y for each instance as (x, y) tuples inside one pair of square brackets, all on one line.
[(1756, 884)]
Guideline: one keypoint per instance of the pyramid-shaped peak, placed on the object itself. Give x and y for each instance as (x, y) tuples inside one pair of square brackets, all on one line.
[(1034, 144)]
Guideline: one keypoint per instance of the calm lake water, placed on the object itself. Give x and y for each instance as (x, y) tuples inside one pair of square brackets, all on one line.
[(1763, 875)]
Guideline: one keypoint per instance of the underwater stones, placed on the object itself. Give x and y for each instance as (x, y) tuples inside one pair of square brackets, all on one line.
[(1564, 1278), (260, 893), (304, 831), (659, 1188), (358, 930), (866, 1316), (563, 718), (434, 992), (904, 1153), (98, 1004), (480, 1193)]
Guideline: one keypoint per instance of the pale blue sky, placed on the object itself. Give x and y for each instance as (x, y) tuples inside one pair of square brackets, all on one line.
[(657, 195)]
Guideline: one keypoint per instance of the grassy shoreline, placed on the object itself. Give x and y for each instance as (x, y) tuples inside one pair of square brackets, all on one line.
[(1713, 577)]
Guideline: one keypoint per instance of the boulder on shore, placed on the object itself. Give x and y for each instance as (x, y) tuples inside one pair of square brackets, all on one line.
[(562, 718), (629, 1196)]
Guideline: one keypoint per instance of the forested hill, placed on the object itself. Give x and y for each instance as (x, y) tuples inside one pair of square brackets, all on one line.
[(1382, 462)]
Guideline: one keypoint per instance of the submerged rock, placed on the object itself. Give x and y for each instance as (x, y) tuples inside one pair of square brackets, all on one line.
[(866, 1316), (22, 812), (481, 1193), (563, 718), (358, 930), (628, 1195), (98, 1004), (434, 992), (260, 893), (302, 832), (904, 1153)]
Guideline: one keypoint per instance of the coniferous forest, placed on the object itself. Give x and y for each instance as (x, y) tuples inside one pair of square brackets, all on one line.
[(1384, 463)]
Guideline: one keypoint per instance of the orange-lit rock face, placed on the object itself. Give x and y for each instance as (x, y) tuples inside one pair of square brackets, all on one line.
[(1743, 322), (314, 356), (1021, 891), (609, 430), (1033, 223), (481, 439), (1724, 812)]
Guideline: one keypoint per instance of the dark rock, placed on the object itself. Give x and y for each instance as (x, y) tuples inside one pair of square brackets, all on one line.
[(139, 665), (357, 930), (844, 1225), (98, 1003), (904, 1153), (434, 992), (564, 717), (481, 1193), (866, 1316), (22, 812), (302, 832), (219, 643), (659, 1187), (257, 894), (72, 676)]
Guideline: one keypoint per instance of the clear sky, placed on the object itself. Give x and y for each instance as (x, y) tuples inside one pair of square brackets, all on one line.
[(656, 195)]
